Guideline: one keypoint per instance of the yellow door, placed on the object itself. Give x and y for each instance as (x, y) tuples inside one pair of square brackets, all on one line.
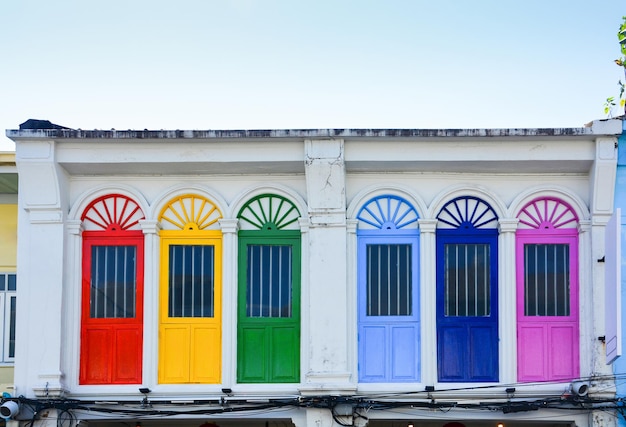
[(190, 318)]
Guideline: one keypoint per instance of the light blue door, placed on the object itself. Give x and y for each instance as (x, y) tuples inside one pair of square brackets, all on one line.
[(389, 328)]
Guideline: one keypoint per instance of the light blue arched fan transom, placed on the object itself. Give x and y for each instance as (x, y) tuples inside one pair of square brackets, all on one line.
[(387, 213)]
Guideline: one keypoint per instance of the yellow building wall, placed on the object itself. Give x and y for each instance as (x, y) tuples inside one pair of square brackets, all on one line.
[(8, 237), (8, 261)]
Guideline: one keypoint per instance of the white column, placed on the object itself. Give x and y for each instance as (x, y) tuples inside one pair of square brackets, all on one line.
[(507, 322), (151, 305), (428, 300), (41, 251), (327, 269), (229, 301)]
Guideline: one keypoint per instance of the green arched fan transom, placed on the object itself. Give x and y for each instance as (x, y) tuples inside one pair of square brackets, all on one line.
[(269, 212)]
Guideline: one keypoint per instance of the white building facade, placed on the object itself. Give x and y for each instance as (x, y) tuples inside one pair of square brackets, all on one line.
[(314, 277)]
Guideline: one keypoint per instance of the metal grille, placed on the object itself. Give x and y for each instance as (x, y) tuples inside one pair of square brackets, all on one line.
[(269, 281), (546, 280), (467, 290), (191, 285), (113, 282), (389, 285)]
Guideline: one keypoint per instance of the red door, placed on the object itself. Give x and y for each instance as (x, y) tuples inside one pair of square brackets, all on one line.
[(112, 313)]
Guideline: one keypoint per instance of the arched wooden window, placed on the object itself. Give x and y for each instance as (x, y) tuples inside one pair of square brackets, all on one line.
[(268, 314), (190, 319), (547, 291), (388, 291), (467, 291), (112, 292)]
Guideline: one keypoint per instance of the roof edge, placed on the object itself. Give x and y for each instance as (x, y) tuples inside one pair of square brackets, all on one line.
[(600, 127)]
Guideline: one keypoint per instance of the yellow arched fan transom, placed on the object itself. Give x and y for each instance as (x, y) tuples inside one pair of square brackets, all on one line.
[(190, 212)]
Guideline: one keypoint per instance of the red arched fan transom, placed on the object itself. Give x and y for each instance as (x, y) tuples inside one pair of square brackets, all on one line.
[(547, 213), (113, 212)]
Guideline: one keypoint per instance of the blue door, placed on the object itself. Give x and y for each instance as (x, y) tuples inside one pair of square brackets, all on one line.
[(467, 292)]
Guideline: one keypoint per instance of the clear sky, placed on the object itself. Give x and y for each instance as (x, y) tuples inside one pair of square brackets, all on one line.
[(274, 64)]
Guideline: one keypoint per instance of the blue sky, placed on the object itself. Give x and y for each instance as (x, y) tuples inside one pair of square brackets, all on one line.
[(245, 64)]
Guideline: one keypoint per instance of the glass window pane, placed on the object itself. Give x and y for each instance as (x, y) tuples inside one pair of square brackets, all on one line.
[(388, 280), (113, 282), (546, 280), (12, 282), (11, 320), (269, 281), (191, 273), (467, 287)]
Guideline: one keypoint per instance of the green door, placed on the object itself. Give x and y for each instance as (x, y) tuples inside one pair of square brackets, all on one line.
[(268, 313)]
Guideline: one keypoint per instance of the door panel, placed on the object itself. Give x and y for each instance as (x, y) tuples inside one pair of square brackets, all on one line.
[(252, 353), (95, 359), (174, 354), (405, 345)]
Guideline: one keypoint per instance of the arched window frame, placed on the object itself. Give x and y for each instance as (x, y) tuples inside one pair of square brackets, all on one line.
[(467, 339), (268, 332), (389, 344), (112, 341), (548, 342), (190, 318)]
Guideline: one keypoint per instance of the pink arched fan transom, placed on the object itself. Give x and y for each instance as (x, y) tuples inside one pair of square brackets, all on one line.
[(113, 212), (547, 213)]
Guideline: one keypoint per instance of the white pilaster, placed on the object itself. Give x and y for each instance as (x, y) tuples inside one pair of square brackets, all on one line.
[(428, 292), (507, 300), (586, 289), (151, 231), (229, 300)]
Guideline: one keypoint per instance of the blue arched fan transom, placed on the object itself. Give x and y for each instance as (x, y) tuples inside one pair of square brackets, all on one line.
[(388, 213), (467, 212)]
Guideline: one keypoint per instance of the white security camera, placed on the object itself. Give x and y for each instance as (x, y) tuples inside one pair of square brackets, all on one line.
[(580, 388), (9, 409)]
